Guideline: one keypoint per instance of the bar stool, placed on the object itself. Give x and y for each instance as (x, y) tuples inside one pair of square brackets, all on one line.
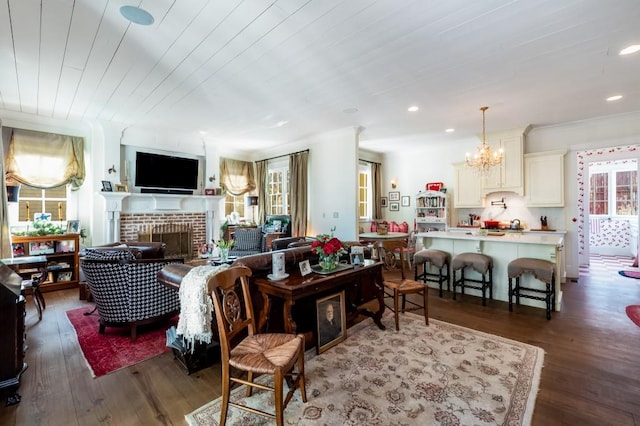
[(432, 257), (542, 270), (480, 263)]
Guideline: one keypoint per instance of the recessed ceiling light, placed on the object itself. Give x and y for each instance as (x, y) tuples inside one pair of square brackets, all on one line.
[(281, 123), (203, 132), (614, 98), (413, 108), (450, 130), (352, 110), (630, 49), (136, 15)]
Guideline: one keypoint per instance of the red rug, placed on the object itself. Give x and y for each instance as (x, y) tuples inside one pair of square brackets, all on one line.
[(630, 274), (633, 312), (113, 350)]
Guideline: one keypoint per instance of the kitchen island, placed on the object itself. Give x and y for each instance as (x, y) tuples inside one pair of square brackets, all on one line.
[(503, 249)]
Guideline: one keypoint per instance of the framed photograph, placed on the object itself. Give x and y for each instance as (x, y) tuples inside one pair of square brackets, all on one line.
[(73, 226), (121, 187), (106, 186), (64, 276), (331, 321), (394, 196), (65, 246), (17, 249), (38, 248), (357, 259), (383, 201), (406, 201), (305, 267), (394, 207)]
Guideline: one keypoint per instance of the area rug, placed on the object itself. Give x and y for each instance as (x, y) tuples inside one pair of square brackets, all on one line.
[(630, 274), (113, 350), (437, 374), (633, 312)]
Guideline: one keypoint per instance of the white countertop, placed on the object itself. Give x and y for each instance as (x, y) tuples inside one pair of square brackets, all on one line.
[(515, 238)]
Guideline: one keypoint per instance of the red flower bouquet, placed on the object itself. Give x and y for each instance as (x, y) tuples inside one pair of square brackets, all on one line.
[(329, 249)]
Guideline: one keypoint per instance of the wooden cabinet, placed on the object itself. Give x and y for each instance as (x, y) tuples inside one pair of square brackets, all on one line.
[(468, 187), (509, 175), (61, 252), (544, 179), (431, 211), (12, 332)]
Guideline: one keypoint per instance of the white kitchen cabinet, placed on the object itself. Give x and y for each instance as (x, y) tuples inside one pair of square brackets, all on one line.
[(544, 179), (468, 187), (509, 175)]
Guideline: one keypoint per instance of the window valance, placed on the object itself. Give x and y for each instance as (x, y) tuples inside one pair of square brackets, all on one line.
[(236, 177), (45, 160)]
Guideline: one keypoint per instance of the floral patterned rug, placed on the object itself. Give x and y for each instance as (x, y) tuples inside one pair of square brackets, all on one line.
[(442, 374)]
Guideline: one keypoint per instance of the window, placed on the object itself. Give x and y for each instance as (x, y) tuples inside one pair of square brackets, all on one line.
[(278, 188), (613, 188), (51, 201), (365, 191), (234, 203)]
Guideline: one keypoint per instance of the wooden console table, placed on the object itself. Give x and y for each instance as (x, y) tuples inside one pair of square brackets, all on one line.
[(361, 284)]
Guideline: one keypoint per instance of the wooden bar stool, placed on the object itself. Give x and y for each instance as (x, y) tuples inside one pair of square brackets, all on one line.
[(432, 257), (542, 270), (482, 264)]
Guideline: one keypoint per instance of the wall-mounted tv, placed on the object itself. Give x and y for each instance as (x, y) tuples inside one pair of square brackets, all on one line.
[(167, 172)]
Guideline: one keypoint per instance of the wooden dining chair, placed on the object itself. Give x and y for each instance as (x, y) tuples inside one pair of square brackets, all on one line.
[(267, 353), (395, 256)]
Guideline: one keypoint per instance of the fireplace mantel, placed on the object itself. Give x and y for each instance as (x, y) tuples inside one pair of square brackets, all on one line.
[(127, 202)]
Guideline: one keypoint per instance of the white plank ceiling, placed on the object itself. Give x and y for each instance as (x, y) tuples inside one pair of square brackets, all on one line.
[(235, 69)]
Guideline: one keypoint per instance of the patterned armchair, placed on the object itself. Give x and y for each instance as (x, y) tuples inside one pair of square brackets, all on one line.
[(247, 241), (126, 291)]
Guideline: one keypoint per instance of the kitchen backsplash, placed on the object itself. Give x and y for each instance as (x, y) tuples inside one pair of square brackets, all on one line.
[(516, 209)]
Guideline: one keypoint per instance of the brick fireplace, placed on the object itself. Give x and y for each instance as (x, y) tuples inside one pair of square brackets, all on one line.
[(132, 224), (128, 215)]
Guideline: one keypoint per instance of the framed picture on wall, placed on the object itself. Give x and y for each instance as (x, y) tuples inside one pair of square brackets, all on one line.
[(394, 196), (394, 207), (406, 201), (383, 201)]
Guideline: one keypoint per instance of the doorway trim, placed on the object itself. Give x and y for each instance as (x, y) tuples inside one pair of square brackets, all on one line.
[(583, 159)]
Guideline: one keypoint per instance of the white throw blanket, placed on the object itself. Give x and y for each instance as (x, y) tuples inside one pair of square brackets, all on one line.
[(196, 307)]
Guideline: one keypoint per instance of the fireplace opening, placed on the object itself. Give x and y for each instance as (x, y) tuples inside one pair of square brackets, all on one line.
[(177, 237)]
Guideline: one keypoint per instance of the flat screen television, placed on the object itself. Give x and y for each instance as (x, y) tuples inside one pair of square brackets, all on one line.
[(166, 172)]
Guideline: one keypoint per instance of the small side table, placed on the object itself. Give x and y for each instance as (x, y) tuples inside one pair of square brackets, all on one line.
[(24, 266)]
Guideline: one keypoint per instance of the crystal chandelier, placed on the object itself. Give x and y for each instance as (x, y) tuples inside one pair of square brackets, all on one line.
[(484, 159)]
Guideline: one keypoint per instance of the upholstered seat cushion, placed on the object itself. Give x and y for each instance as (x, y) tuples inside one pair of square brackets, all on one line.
[(480, 263), (437, 258), (264, 353), (540, 268)]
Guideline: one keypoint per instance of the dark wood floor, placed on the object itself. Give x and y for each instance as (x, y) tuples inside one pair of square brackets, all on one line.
[(591, 373)]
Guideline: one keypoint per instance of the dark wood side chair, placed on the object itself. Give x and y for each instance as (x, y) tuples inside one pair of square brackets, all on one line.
[(395, 256), (277, 354)]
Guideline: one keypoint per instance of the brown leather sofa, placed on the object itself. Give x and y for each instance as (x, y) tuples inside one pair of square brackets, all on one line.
[(140, 250)]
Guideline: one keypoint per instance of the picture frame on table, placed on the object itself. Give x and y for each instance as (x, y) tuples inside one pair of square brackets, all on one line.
[(394, 196), (383, 201), (106, 186), (394, 207), (120, 187), (73, 226), (305, 267), (331, 321), (406, 201)]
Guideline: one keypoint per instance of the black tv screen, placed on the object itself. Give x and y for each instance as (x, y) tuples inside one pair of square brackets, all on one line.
[(163, 171)]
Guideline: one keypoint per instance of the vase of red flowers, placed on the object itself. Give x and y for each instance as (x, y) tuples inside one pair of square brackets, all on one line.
[(329, 249)]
